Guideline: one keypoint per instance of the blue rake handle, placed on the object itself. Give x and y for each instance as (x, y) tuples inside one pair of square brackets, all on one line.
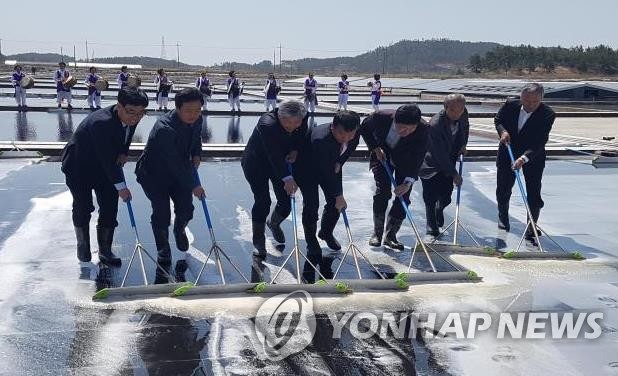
[(517, 176), (409, 216), (129, 206), (459, 186), (401, 200), (345, 219), (203, 200), (524, 197)]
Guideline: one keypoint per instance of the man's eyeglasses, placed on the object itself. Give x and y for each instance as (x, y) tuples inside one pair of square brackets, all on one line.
[(135, 113)]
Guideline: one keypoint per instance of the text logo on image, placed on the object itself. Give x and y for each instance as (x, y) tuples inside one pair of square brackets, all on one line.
[(284, 325)]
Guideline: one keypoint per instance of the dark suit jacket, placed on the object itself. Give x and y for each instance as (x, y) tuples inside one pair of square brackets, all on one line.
[(533, 136), (95, 146), (270, 143), (407, 156), (443, 150), (169, 150), (319, 155)]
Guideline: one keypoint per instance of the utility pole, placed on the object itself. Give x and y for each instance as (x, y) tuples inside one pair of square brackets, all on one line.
[(61, 54), (280, 58), (177, 54), (0, 46), (87, 56), (274, 60), (384, 61), (163, 54), (74, 58)]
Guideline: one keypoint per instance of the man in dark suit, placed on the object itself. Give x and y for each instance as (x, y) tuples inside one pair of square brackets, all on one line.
[(319, 164), (165, 172), (448, 137), (398, 138), (275, 142), (92, 160), (525, 125)]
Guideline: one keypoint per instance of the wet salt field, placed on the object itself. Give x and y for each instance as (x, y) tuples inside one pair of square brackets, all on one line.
[(50, 325)]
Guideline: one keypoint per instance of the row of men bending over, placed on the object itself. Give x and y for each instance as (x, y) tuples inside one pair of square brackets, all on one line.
[(413, 148)]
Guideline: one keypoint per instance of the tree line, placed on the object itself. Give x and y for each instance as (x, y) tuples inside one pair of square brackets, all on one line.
[(525, 58)]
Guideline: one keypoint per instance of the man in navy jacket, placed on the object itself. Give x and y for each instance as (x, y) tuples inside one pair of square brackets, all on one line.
[(398, 138), (165, 172), (92, 160), (319, 164), (274, 143)]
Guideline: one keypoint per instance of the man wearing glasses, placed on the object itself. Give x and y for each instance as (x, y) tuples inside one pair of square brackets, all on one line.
[(92, 160)]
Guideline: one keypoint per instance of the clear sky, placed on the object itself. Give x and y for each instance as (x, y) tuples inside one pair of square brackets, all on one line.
[(244, 30)]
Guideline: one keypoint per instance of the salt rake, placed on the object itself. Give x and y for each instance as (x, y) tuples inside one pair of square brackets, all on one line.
[(352, 248), (214, 249), (456, 223), (531, 222), (296, 251), (419, 240), (137, 250)]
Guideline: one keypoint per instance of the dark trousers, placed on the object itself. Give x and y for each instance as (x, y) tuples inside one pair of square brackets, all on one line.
[(258, 178), (311, 202), (384, 193), (533, 174), (159, 193), (107, 198), (438, 190)]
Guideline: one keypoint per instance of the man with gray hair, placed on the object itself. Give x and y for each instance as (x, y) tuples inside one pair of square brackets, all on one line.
[(448, 137), (525, 124), (275, 142)]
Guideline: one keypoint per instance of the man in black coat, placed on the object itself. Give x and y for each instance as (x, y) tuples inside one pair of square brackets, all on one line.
[(400, 139), (165, 171), (92, 160), (274, 143), (319, 164), (525, 125), (448, 137)]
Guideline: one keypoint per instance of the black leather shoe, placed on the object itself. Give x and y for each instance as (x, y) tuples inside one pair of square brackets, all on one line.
[(330, 241), (392, 242), (376, 240)]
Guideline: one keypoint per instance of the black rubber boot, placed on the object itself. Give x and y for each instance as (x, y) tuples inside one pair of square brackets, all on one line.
[(180, 270), (105, 237), (503, 216), (535, 215), (308, 271), (326, 267), (164, 253), (182, 242), (313, 246), (439, 210), (378, 230), (259, 239), (390, 240), (432, 226), (330, 216), (83, 243), (330, 240), (274, 224)]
